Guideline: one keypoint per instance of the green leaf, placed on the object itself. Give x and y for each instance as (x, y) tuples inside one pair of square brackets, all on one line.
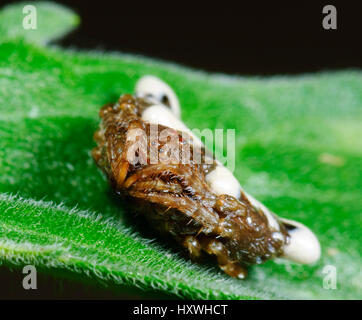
[(52, 22), (298, 149)]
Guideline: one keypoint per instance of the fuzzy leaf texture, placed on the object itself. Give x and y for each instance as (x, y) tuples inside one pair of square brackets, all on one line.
[(298, 150)]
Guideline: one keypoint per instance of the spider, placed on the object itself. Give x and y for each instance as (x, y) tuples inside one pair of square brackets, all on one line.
[(199, 203)]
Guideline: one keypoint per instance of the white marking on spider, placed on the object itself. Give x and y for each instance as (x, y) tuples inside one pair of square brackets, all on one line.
[(159, 92), (304, 246)]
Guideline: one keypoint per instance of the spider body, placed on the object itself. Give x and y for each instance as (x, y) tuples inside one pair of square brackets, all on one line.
[(199, 203), (176, 199)]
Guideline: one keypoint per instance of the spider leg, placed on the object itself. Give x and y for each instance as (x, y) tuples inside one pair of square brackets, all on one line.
[(232, 268), (193, 246)]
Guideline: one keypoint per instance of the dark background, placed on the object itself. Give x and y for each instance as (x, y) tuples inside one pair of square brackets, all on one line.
[(253, 38), (248, 38)]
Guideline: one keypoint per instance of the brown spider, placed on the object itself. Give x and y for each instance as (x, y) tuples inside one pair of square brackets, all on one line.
[(178, 198)]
